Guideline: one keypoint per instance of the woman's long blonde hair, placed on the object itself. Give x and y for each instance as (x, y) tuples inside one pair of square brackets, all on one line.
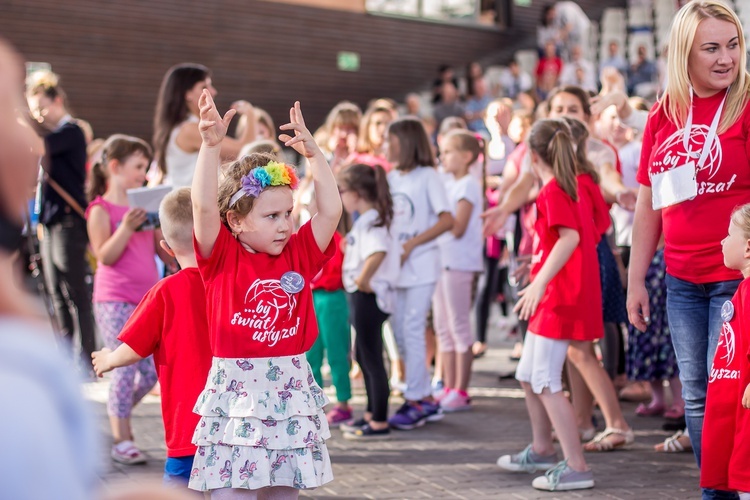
[(676, 98)]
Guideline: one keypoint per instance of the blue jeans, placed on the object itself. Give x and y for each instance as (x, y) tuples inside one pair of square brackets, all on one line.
[(177, 471), (694, 313)]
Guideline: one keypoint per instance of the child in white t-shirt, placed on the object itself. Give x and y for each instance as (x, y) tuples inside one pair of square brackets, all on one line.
[(460, 260), (370, 271), (421, 214)]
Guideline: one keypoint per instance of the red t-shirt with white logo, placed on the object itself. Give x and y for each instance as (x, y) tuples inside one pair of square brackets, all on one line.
[(693, 229), (252, 312), (565, 311), (725, 456), (170, 323)]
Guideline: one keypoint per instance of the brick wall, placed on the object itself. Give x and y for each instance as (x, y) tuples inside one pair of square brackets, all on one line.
[(112, 55)]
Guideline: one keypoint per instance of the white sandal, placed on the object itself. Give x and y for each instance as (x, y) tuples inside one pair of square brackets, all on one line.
[(673, 445), (601, 443)]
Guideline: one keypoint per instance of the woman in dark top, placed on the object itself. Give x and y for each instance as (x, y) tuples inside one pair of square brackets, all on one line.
[(62, 201)]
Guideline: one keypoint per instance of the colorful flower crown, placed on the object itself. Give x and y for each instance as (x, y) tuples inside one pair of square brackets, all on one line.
[(259, 178)]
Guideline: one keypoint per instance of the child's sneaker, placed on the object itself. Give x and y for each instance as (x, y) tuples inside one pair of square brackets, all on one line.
[(527, 461), (367, 433), (432, 410), (563, 478), (338, 416), (353, 425), (439, 390), (408, 417), (125, 452), (455, 401)]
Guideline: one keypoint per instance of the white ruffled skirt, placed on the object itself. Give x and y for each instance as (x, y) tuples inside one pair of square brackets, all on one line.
[(262, 424)]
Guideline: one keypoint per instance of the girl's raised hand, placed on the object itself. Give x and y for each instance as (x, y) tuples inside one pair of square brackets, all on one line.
[(303, 141), (213, 127)]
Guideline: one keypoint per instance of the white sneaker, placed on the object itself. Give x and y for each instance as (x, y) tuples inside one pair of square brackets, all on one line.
[(127, 453)]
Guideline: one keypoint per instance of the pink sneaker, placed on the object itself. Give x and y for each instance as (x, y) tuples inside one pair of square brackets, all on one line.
[(126, 453), (338, 416), (454, 401)]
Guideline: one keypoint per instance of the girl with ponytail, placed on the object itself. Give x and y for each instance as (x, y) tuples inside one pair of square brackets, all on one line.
[(371, 267), (126, 270), (564, 282)]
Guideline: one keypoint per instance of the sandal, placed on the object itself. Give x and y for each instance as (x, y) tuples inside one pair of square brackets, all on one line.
[(649, 410), (677, 443), (601, 441)]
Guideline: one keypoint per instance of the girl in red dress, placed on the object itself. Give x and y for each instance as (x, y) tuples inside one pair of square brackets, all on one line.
[(726, 425), (564, 282)]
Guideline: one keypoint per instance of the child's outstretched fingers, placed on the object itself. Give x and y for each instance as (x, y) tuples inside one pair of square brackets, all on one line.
[(303, 141), (212, 127)]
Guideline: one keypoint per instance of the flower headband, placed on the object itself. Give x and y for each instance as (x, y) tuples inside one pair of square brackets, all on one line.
[(259, 178)]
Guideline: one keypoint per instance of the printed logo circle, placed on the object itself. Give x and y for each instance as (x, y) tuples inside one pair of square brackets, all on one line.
[(727, 311), (292, 282)]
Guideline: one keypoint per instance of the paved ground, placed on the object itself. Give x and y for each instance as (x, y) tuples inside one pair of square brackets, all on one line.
[(454, 458)]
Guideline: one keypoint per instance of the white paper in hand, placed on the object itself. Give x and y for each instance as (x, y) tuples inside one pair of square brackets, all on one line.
[(149, 200)]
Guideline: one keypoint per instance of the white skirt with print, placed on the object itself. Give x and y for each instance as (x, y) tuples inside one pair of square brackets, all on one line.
[(262, 424)]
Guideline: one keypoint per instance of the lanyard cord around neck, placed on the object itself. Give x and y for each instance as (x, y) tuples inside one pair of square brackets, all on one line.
[(709, 137)]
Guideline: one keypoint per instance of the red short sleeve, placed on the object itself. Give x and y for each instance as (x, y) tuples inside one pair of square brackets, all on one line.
[(143, 331), (560, 209)]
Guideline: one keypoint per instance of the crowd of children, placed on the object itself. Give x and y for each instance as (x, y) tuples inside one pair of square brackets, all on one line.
[(381, 242)]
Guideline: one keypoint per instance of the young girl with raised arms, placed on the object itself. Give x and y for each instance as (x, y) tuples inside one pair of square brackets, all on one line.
[(371, 267), (557, 303), (421, 214), (460, 261), (126, 271), (262, 427), (726, 427)]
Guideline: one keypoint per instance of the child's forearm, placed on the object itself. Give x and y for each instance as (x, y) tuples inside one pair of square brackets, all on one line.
[(124, 355), (112, 249), (204, 194), (444, 223), (372, 263), (326, 191), (560, 254)]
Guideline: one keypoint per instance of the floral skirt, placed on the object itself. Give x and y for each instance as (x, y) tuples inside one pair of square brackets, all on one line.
[(262, 424), (650, 355)]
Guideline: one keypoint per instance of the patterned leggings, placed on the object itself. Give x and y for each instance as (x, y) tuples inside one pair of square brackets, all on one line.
[(130, 383)]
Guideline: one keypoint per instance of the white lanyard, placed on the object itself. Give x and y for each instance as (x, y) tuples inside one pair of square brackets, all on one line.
[(711, 132)]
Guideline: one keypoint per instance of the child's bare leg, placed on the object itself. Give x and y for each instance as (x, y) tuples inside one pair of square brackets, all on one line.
[(120, 429), (464, 361), (235, 494), (582, 399), (582, 355), (448, 363), (560, 413), (541, 427), (279, 493)]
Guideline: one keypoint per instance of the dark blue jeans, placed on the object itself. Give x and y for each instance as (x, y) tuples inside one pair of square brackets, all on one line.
[(695, 325)]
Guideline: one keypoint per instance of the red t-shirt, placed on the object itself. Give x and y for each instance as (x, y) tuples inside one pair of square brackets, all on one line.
[(591, 197), (565, 311), (251, 312), (693, 229), (330, 277), (549, 65), (170, 323), (724, 460)]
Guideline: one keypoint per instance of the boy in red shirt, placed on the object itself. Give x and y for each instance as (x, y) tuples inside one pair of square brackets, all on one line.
[(170, 323)]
